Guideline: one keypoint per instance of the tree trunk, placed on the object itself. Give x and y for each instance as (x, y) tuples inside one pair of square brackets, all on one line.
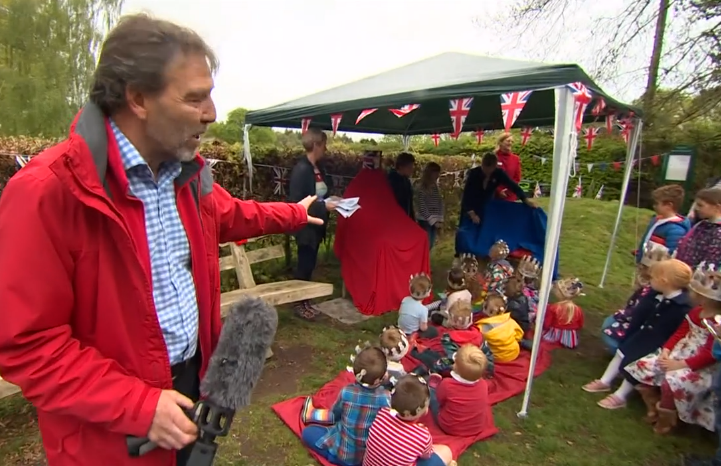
[(652, 82)]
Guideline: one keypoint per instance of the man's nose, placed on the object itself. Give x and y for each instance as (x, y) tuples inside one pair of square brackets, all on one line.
[(208, 114)]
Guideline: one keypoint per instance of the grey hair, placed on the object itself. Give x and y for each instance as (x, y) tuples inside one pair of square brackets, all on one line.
[(136, 55)]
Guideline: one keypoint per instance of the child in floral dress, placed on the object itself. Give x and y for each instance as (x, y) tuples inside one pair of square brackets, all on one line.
[(614, 328), (703, 242), (564, 318), (675, 381)]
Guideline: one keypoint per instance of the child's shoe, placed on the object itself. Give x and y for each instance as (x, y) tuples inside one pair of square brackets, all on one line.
[(596, 387), (650, 397), (667, 419)]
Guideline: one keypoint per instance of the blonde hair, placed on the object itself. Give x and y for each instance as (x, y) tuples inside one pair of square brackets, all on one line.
[(502, 138), (678, 274), (565, 310), (470, 362), (495, 303), (428, 170)]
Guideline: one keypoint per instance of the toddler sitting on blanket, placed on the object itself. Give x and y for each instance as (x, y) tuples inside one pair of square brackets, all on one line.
[(460, 404), (396, 438), (527, 272), (413, 315), (344, 443), (456, 291), (517, 303), (474, 280), (498, 270), (461, 332), (564, 318), (503, 335)]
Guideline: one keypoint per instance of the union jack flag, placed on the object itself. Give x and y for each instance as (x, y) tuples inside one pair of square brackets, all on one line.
[(582, 97), (599, 107), (335, 122), (537, 192), (578, 192), (589, 135), (512, 104), (599, 194), (21, 161), (304, 125), (459, 110), (526, 135), (280, 175), (364, 114)]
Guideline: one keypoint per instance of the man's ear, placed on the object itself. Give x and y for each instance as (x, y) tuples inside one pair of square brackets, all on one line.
[(137, 103)]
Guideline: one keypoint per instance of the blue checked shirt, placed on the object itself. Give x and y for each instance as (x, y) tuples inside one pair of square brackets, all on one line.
[(173, 285), (354, 411)]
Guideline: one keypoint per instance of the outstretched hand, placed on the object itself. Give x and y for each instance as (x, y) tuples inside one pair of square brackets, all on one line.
[(531, 203), (306, 203)]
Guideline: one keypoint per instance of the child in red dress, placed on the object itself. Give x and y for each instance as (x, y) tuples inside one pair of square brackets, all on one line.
[(396, 438), (460, 404), (564, 318)]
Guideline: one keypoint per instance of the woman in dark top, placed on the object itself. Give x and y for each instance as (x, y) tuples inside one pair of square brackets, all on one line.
[(400, 181), (482, 182), (308, 179)]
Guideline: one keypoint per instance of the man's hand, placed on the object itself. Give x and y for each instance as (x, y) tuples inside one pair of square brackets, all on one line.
[(531, 203), (171, 428), (474, 217), (332, 202), (307, 203)]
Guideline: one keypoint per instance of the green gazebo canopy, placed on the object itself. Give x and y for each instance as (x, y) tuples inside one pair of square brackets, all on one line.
[(431, 83)]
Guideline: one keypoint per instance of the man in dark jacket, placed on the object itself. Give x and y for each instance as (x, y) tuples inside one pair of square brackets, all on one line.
[(400, 181)]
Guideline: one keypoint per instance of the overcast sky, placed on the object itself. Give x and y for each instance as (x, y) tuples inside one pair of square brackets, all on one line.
[(272, 51)]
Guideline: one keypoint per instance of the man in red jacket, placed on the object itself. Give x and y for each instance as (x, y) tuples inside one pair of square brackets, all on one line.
[(109, 280), (510, 163)]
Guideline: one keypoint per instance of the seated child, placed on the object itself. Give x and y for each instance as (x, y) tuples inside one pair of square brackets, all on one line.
[(461, 332), (564, 318), (675, 380), (456, 291), (614, 328), (502, 333), (396, 438), (474, 280), (413, 315), (528, 271), (498, 270), (703, 240), (517, 303), (344, 443), (667, 227), (460, 404), (656, 318), (395, 345)]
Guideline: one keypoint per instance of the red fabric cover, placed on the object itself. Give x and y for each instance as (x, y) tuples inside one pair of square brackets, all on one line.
[(520, 253), (509, 381), (379, 246)]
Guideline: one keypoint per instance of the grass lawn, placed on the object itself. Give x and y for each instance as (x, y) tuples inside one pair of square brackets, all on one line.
[(564, 426)]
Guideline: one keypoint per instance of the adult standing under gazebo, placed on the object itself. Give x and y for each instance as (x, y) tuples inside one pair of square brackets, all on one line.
[(509, 163)]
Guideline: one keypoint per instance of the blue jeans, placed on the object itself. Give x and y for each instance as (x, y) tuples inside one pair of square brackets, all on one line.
[(310, 437), (430, 230), (434, 460), (611, 344), (434, 407)]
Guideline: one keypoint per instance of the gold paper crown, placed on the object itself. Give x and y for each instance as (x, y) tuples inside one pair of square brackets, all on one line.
[(529, 267), (469, 263), (569, 288), (401, 348), (420, 285), (654, 252), (501, 247), (706, 281)]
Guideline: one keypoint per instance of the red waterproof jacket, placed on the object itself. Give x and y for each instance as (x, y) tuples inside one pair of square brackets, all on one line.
[(79, 333)]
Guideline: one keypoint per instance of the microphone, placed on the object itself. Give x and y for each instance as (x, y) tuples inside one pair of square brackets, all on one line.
[(233, 372)]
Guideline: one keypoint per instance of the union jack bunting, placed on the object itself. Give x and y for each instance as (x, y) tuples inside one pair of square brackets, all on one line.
[(579, 189), (526, 135), (364, 114), (582, 97), (459, 110), (304, 124), (279, 179), (436, 139), (589, 134), (512, 104), (537, 192), (479, 136), (335, 122), (599, 194), (404, 110), (21, 161), (599, 106)]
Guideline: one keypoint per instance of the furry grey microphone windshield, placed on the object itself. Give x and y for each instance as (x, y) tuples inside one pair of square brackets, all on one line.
[(238, 360)]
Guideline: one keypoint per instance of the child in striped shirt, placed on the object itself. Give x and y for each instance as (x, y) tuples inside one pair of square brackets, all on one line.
[(396, 438), (344, 443)]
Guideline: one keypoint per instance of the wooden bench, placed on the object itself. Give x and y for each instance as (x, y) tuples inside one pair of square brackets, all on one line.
[(289, 291), (7, 389)]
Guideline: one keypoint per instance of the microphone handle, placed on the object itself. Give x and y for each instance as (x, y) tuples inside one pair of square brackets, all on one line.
[(139, 446)]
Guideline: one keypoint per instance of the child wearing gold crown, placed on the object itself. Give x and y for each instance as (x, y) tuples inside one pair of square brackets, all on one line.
[(474, 280), (456, 290), (395, 345), (396, 438), (413, 315), (498, 270), (564, 318), (344, 442), (460, 403), (675, 380), (656, 318), (460, 331), (614, 328), (527, 272), (499, 330)]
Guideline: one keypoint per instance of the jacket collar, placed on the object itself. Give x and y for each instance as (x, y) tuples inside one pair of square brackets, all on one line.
[(93, 127), (681, 299)]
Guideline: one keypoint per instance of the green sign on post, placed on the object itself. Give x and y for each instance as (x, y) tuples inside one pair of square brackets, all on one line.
[(678, 167)]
